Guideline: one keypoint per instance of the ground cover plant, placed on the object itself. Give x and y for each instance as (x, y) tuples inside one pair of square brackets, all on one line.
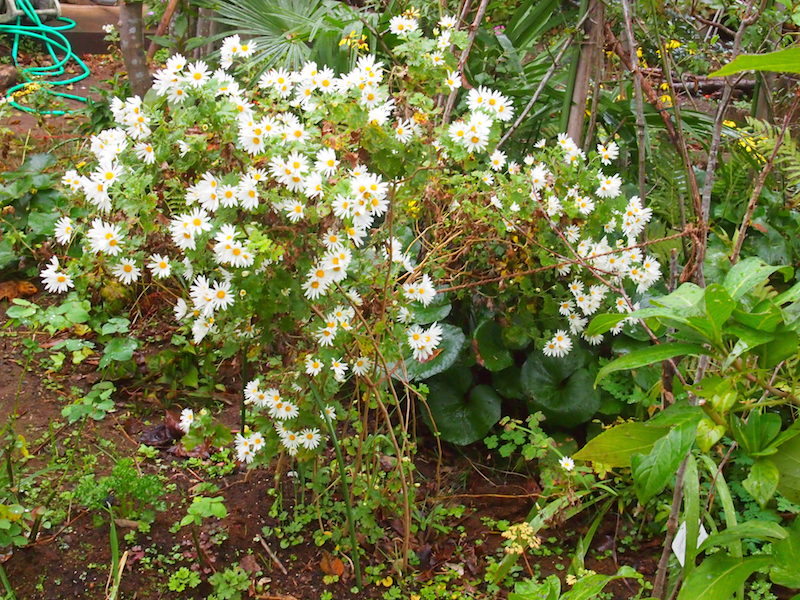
[(422, 320)]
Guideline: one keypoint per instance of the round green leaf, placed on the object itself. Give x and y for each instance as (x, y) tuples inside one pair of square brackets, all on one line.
[(462, 418), (452, 342), (561, 388), (489, 338)]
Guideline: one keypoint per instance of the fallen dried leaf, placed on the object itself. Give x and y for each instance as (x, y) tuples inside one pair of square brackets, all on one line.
[(331, 565), (17, 289)]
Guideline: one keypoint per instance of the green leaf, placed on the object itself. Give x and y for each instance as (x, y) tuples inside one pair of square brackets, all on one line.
[(435, 311), (602, 323), (757, 433), (745, 275), (7, 253), (762, 482), (36, 163), (719, 576), (719, 306), (560, 387), (588, 588), (787, 460), (648, 356), (652, 471), (786, 557), (615, 447), (549, 589), (493, 353), (118, 349), (780, 61), (754, 529), (453, 340), (686, 300), (462, 418), (21, 311)]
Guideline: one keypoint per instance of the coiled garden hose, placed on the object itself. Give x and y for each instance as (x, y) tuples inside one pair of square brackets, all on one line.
[(56, 43)]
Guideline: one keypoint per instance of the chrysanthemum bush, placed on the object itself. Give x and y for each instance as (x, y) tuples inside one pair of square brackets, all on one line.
[(280, 211)]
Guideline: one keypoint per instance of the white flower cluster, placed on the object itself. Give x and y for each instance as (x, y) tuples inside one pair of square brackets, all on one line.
[(280, 411), (614, 262)]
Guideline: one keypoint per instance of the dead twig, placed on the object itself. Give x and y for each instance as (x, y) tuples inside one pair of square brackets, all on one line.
[(273, 556)]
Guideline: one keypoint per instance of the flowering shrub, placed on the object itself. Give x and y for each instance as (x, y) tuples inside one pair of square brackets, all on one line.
[(281, 212)]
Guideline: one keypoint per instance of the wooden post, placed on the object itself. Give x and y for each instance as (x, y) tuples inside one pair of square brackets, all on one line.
[(131, 34)]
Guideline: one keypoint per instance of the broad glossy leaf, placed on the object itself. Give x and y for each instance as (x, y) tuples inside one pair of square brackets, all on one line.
[(757, 433), (560, 387), (507, 383), (762, 481), (686, 300), (780, 61), (782, 347), (652, 471), (648, 356), (790, 295), (754, 529), (453, 340), (786, 558), (719, 306), (719, 576), (489, 338), (787, 459), (614, 447), (436, 311), (462, 418), (745, 275)]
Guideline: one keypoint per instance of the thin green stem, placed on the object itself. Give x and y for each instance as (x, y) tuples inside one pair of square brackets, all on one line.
[(348, 505), (7, 584)]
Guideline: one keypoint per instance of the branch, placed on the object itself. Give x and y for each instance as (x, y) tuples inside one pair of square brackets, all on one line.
[(451, 99), (762, 177)]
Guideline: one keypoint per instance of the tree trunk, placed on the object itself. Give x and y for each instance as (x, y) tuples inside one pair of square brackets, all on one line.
[(589, 62), (206, 28), (131, 33)]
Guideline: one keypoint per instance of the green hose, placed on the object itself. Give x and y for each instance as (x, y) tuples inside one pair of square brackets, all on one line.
[(56, 43)]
